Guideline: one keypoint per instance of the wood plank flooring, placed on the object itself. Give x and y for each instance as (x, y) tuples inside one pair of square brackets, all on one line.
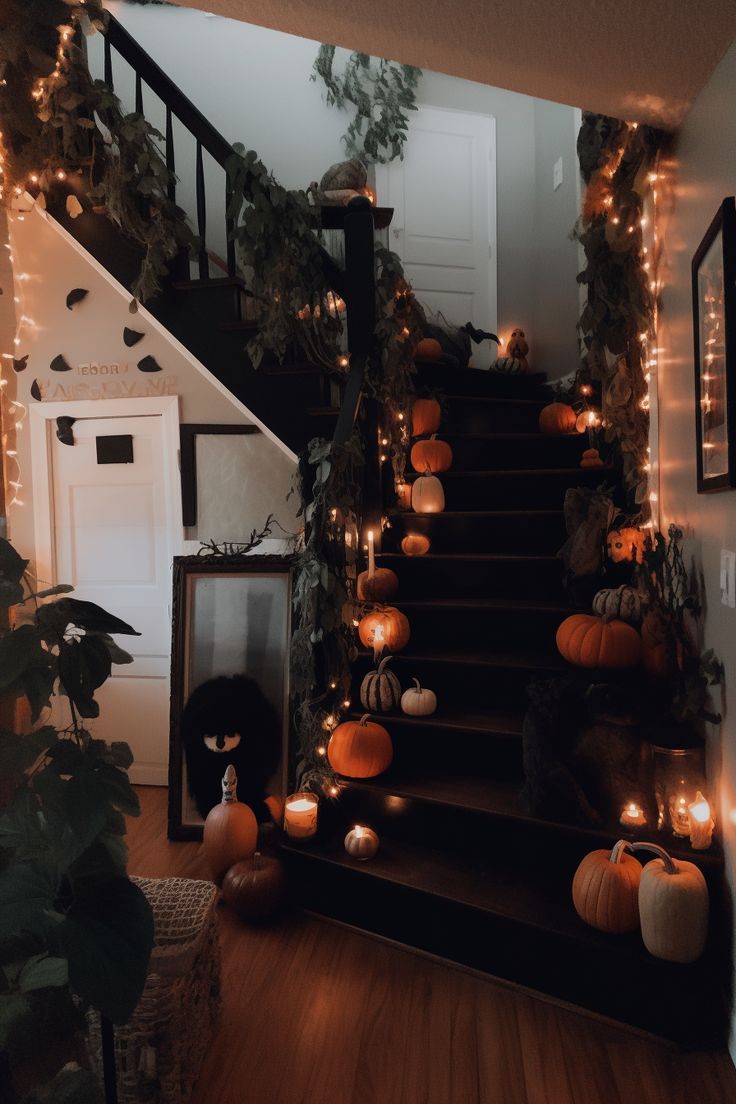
[(318, 1014)]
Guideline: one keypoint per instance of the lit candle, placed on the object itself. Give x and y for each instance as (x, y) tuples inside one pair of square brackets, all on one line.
[(403, 495), (371, 555), (300, 815), (701, 823), (632, 815), (679, 815), (378, 642)]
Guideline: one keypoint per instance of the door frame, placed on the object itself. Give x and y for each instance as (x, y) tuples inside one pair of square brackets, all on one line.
[(42, 418), (383, 188)]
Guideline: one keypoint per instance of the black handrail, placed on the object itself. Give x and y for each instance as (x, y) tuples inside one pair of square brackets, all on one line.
[(207, 138)]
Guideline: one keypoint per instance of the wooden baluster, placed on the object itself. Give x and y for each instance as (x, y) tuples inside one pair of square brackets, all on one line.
[(138, 94), (170, 163), (108, 63), (204, 264), (229, 229)]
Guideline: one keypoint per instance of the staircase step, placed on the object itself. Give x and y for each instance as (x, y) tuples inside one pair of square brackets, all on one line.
[(499, 531), (441, 377), (492, 451), (510, 919), (476, 414), (483, 623), (478, 575), (210, 284), (538, 489)]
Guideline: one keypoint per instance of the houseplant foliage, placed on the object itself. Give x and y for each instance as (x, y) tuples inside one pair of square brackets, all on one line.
[(74, 930), (382, 93), (56, 120), (619, 162)]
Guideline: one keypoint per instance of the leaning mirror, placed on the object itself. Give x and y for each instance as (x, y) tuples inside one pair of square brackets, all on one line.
[(229, 684)]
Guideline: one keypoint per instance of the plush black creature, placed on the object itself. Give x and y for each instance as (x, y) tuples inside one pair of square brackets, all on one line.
[(228, 720)]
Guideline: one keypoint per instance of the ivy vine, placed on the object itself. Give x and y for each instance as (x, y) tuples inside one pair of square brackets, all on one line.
[(382, 92)]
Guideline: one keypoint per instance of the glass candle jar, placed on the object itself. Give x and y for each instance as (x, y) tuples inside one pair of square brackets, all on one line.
[(300, 815), (679, 773)]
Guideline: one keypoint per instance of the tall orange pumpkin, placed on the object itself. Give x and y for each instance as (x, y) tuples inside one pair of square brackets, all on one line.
[(425, 417), (386, 627), (383, 585), (431, 456), (588, 641), (360, 749), (230, 830), (557, 418)]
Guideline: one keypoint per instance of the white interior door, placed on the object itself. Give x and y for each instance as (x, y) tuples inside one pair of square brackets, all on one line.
[(444, 225), (111, 538)]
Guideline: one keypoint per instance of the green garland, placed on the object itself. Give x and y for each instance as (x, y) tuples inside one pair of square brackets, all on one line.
[(619, 161), (381, 94)]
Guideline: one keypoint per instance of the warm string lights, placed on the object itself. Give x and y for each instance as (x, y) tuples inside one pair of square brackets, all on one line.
[(13, 411)]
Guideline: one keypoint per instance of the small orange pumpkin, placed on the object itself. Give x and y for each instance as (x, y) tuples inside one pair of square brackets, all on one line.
[(425, 417), (428, 348), (230, 830), (386, 627), (626, 544), (415, 544), (588, 641), (557, 418), (360, 749), (591, 459), (383, 585), (605, 890), (431, 456)]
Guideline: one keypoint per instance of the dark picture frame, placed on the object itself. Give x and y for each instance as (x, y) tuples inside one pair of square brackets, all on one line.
[(714, 332), (230, 615), (188, 433)]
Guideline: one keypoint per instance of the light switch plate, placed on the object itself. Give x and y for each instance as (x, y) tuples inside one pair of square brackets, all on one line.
[(557, 174), (728, 578)]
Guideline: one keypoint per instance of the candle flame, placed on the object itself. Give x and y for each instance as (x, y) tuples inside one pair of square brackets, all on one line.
[(700, 809)]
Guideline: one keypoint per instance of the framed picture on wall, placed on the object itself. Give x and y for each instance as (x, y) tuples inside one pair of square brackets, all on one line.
[(231, 626), (714, 328)]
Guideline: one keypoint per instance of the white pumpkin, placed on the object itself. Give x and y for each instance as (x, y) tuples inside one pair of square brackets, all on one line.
[(418, 702), (361, 842), (622, 604), (427, 496), (673, 907)]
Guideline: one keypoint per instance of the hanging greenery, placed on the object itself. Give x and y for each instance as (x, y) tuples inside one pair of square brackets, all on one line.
[(620, 164), (382, 93)]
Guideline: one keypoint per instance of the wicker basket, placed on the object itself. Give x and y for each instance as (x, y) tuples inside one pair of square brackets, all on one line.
[(158, 1054)]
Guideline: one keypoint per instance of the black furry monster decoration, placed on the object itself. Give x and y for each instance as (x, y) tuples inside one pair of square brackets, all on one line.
[(229, 720)]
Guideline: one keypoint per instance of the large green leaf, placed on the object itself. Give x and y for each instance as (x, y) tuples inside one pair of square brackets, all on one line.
[(87, 615), (43, 972), (19, 650), (107, 937), (21, 752), (12, 568), (27, 892), (83, 667), (71, 1085)]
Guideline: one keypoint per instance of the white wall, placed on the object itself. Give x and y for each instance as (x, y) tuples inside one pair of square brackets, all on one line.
[(705, 176), (90, 337), (253, 84)]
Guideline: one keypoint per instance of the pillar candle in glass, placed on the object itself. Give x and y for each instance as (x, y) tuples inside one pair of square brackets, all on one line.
[(701, 823), (679, 773), (371, 555), (300, 815)]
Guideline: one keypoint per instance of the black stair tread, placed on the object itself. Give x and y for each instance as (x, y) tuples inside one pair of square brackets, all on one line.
[(323, 411), (332, 216), (541, 661), (497, 473), (452, 557), (490, 722), (476, 514), (528, 435), (496, 400), (500, 798), (242, 325), (527, 605), (505, 890), (210, 282)]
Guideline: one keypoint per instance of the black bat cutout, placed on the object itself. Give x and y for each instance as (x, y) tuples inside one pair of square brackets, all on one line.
[(21, 363), (132, 337), (149, 364), (59, 364), (35, 391), (64, 429), (76, 295)]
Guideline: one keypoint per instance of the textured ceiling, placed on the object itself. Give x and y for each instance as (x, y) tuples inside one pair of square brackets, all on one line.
[(635, 59)]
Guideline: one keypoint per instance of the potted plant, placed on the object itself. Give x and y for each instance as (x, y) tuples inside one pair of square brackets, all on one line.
[(75, 932)]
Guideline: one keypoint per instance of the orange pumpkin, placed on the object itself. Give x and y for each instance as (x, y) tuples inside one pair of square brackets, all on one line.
[(431, 456), (230, 830), (626, 544), (384, 628), (591, 459), (415, 544), (425, 417), (383, 585), (557, 418), (360, 749), (588, 641), (605, 890), (428, 349)]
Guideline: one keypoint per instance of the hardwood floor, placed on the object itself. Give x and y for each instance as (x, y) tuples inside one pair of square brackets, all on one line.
[(318, 1014)]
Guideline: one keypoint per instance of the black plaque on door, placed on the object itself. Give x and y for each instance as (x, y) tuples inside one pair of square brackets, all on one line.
[(115, 450)]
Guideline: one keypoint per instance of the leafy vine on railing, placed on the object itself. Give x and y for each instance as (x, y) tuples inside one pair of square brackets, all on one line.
[(381, 93)]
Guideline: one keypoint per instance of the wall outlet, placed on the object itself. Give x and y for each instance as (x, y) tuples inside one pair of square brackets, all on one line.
[(728, 578), (557, 174)]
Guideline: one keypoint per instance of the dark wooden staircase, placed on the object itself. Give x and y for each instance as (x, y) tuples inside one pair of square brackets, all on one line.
[(462, 871)]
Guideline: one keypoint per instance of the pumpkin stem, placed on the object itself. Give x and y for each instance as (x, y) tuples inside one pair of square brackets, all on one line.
[(257, 864), (418, 687), (667, 860), (618, 851), (364, 718), (383, 663)]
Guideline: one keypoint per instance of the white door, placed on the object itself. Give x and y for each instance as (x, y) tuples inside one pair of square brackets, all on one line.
[(111, 539), (444, 225)]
